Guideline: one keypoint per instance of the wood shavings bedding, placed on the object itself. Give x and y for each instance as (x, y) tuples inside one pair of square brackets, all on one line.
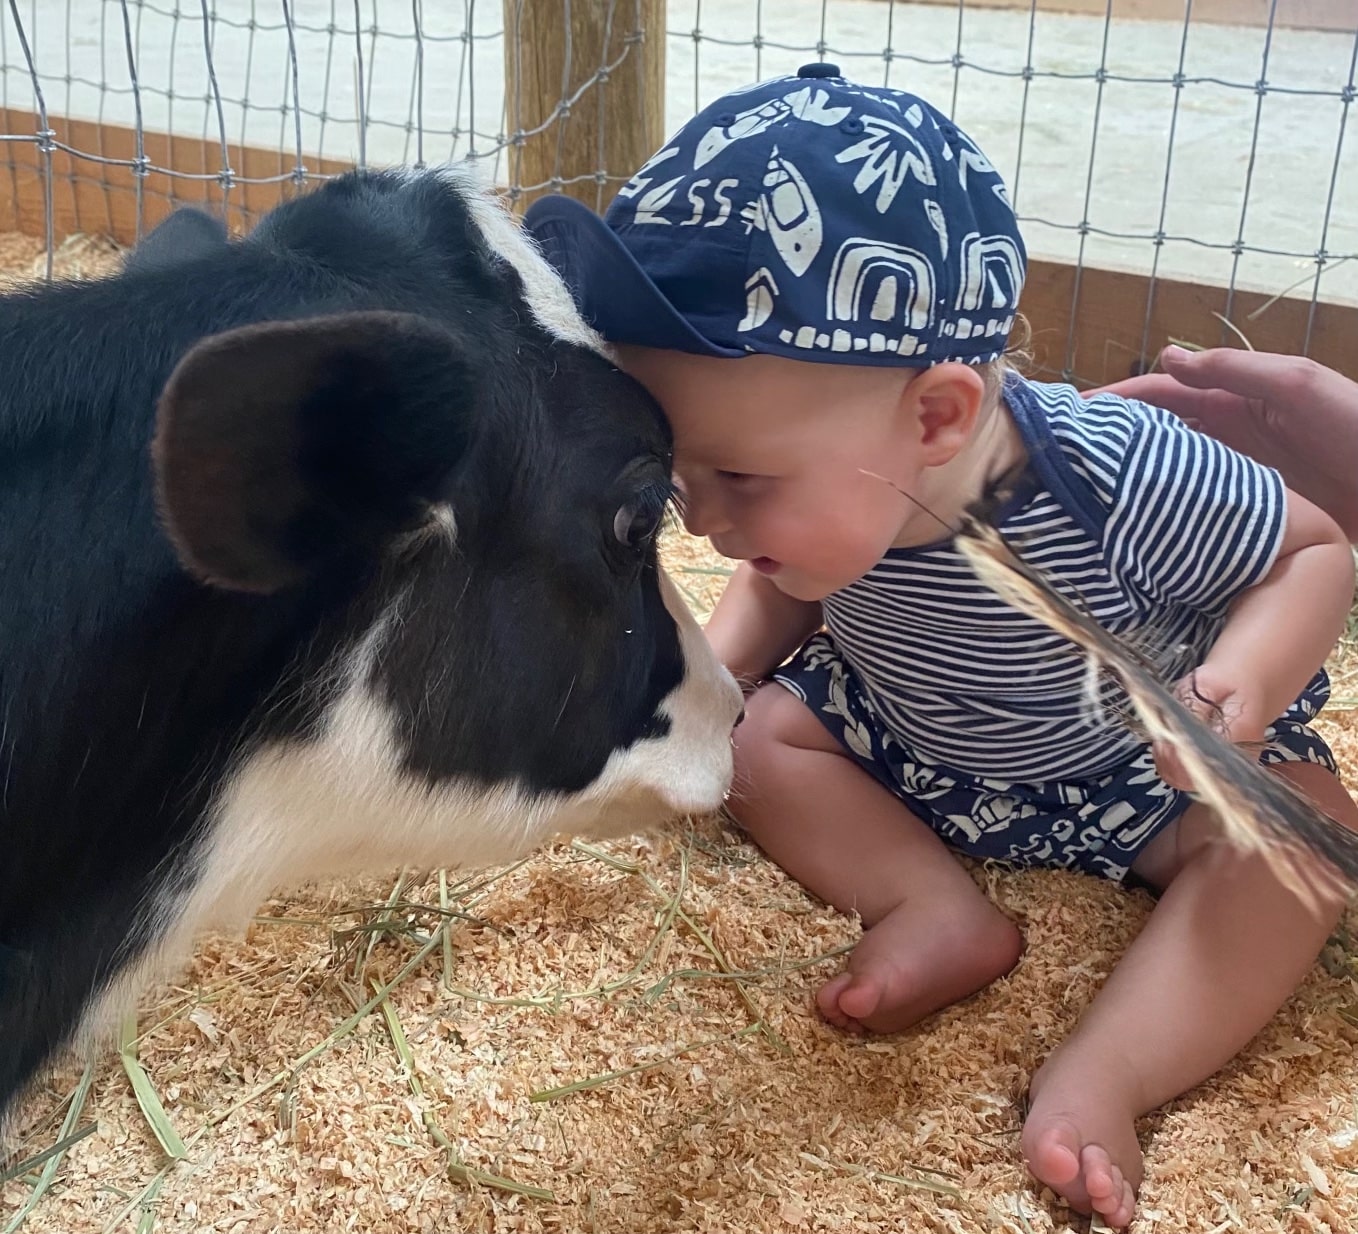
[(737, 1109)]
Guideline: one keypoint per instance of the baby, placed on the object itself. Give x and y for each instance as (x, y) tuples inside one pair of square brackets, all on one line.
[(817, 280)]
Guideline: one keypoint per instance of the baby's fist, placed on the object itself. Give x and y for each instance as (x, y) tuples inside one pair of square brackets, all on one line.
[(1228, 706)]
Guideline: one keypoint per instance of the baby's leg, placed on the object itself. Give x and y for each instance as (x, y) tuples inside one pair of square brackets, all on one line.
[(932, 937), (1223, 950)]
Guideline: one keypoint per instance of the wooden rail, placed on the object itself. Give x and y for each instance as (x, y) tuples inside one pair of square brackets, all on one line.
[(96, 191)]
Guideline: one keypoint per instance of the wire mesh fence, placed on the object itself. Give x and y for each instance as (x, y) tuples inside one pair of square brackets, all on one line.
[(1178, 147)]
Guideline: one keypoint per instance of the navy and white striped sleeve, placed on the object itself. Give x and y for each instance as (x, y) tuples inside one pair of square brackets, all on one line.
[(1193, 522)]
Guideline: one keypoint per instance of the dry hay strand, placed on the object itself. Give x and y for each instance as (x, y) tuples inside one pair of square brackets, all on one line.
[(629, 1029), (23, 259)]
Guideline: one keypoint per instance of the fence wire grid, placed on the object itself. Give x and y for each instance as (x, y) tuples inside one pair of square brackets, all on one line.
[(1178, 147)]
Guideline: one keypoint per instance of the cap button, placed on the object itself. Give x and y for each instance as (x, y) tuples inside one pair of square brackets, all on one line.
[(818, 70)]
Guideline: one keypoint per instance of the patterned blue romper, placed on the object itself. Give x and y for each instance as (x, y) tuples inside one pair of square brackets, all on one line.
[(977, 716)]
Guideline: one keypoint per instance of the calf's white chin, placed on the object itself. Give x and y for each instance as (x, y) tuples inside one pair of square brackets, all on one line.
[(346, 804)]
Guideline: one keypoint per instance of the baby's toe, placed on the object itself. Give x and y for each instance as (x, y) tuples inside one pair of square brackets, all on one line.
[(1103, 1179), (828, 1001), (861, 996), (1053, 1152), (1110, 1194), (1123, 1210)]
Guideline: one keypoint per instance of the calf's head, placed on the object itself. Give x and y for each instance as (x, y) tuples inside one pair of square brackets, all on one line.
[(520, 664), (334, 552)]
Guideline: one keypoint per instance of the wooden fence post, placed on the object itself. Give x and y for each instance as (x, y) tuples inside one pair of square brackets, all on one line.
[(616, 67)]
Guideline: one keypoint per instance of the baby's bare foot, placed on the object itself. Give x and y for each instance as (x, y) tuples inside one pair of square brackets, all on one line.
[(1080, 1140), (916, 960)]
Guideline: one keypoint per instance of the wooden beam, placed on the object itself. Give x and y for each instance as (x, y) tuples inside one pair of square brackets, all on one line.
[(1110, 321), (96, 189), (615, 125)]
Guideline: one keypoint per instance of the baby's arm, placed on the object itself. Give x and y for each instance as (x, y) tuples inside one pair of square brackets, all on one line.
[(1277, 633), (755, 627)]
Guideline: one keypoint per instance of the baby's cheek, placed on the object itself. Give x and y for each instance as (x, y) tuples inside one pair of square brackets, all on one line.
[(867, 537), (842, 560)]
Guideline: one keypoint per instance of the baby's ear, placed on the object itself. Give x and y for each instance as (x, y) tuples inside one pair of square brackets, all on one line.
[(945, 402)]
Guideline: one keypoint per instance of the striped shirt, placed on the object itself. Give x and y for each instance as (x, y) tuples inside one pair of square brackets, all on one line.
[(1157, 528)]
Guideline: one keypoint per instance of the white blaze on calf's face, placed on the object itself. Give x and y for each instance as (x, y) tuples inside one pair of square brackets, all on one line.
[(346, 804)]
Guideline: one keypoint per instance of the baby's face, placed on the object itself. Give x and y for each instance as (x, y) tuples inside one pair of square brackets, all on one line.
[(794, 467)]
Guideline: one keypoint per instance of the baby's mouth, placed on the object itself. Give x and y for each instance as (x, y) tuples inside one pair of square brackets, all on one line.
[(765, 565)]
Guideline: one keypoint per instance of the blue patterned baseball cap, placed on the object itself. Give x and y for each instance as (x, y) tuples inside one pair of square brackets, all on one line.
[(807, 217)]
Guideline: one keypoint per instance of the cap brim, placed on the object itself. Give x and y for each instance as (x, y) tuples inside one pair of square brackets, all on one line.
[(614, 294)]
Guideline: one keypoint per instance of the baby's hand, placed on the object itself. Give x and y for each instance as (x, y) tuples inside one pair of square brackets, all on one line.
[(1229, 704)]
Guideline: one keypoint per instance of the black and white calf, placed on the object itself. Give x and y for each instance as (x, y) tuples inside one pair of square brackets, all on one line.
[(325, 550)]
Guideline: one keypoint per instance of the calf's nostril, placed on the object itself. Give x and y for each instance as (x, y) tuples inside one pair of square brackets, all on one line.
[(739, 719)]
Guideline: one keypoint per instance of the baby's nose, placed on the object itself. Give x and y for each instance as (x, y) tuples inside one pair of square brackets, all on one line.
[(703, 514), (695, 522), (708, 523)]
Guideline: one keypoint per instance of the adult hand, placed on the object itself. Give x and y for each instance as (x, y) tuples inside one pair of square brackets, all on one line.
[(1283, 411)]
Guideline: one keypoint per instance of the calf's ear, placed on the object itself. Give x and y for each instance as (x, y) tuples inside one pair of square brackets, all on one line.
[(283, 446), (185, 236)]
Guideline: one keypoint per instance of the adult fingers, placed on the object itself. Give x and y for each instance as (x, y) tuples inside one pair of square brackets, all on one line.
[(1158, 389), (1279, 380)]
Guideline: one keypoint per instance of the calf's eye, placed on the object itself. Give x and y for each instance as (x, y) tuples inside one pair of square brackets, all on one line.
[(636, 523)]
